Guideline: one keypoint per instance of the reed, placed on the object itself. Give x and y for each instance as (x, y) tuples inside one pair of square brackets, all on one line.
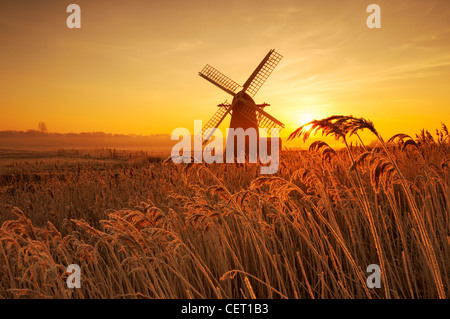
[(162, 230)]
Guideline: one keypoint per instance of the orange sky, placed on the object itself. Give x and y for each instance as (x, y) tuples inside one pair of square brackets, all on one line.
[(133, 66)]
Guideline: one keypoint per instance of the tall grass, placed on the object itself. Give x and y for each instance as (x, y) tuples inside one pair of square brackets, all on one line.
[(223, 231)]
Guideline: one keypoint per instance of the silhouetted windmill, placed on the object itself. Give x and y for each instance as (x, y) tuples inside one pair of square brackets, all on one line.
[(245, 113)]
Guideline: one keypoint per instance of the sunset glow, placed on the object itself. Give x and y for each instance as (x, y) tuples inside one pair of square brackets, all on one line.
[(307, 118), (133, 68)]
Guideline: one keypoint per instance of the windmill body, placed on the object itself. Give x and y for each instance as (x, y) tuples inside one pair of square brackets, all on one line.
[(245, 113), (244, 116)]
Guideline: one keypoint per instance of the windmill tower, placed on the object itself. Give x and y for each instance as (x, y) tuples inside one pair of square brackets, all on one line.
[(245, 113)]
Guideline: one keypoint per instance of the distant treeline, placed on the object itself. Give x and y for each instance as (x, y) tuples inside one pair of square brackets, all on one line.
[(37, 139)]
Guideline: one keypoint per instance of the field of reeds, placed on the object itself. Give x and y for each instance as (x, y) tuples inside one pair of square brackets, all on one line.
[(155, 229)]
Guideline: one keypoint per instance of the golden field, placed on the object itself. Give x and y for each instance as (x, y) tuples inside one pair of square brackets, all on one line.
[(154, 229)]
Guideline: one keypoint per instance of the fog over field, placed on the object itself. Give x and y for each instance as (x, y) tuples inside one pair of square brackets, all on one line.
[(32, 139)]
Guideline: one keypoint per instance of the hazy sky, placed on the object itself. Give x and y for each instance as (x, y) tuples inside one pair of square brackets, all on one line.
[(133, 66)]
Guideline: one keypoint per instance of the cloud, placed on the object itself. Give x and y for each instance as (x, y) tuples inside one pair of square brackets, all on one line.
[(185, 46)]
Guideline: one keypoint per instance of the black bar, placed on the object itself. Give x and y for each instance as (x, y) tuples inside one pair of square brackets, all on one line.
[(230, 308)]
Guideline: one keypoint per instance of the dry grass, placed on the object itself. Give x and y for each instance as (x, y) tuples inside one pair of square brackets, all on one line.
[(224, 231)]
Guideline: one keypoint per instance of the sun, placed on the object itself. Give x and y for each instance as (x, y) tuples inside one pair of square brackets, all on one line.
[(305, 118)]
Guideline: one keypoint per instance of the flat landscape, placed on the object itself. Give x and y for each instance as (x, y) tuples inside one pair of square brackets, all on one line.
[(144, 227)]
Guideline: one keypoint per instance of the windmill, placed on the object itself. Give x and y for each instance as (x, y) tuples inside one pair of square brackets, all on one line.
[(245, 113)]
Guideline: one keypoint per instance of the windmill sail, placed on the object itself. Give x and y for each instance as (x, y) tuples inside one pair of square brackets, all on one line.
[(265, 120), (268, 122), (219, 79), (213, 123), (262, 72)]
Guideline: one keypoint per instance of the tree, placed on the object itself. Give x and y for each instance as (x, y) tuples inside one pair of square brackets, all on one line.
[(42, 127)]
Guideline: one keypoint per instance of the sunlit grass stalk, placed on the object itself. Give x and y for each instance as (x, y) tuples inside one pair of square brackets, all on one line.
[(434, 267)]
